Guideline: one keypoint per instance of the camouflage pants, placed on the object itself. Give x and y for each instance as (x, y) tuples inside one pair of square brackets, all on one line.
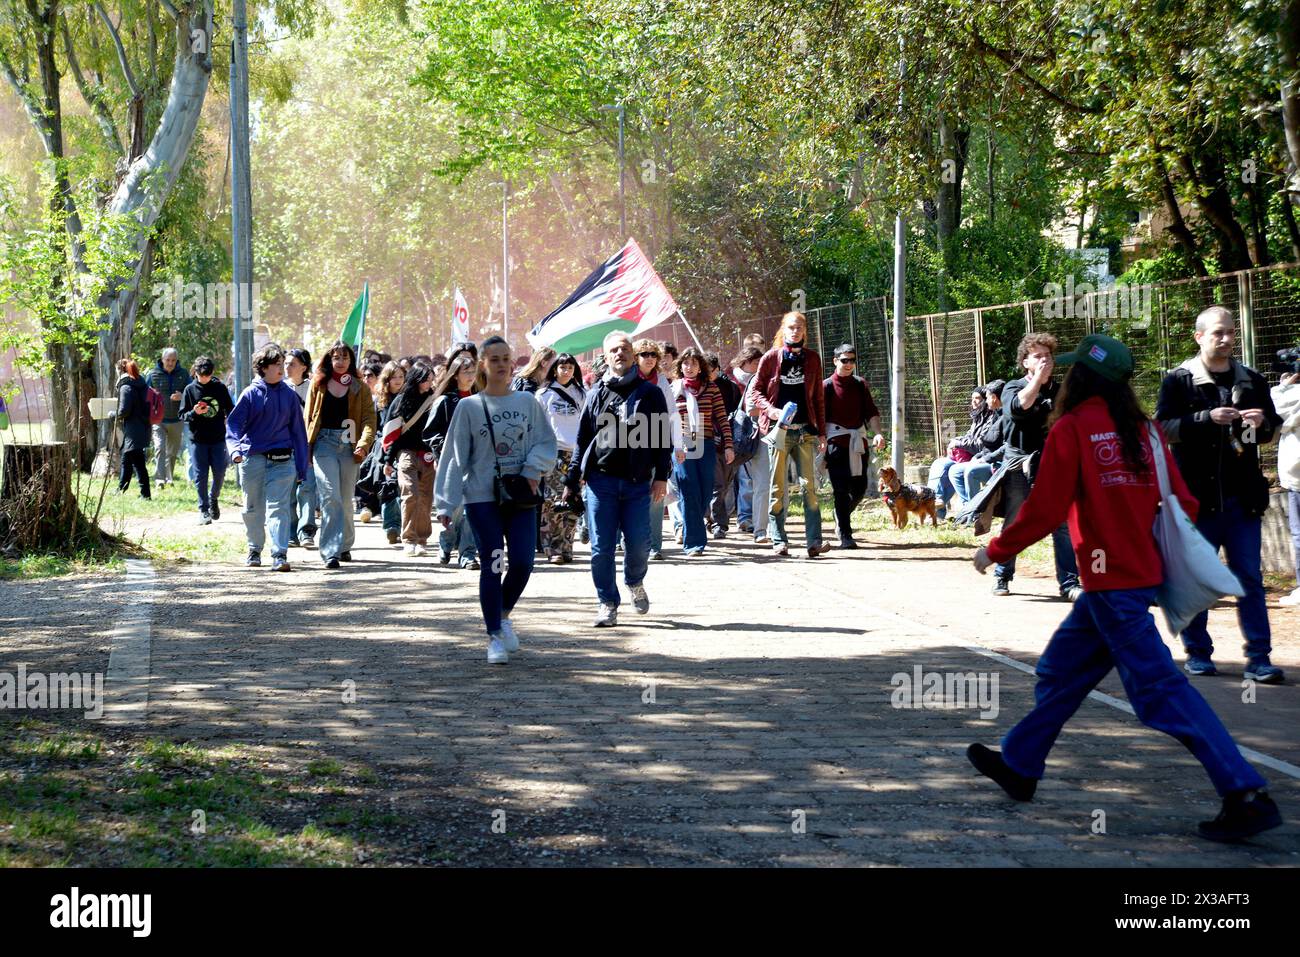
[(557, 527)]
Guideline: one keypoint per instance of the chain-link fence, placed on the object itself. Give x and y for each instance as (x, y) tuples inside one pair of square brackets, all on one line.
[(948, 354)]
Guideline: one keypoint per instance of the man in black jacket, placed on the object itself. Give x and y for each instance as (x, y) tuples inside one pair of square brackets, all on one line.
[(205, 403), (1216, 413), (1026, 405), (169, 380), (623, 454)]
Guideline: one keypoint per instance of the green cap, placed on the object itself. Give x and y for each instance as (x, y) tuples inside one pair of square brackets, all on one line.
[(1103, 355)]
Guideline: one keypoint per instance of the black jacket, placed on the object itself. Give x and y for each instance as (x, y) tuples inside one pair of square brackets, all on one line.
[(1214, 467), (1026, 429), (206, 430), (639, 461), (439, 422), (412, 440), (132, 415), (165, 383)]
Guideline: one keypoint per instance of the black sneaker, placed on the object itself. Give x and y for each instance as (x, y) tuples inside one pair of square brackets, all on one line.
[(345, 556), (254, 559), (308, 541), (1000, 587), (1244, 814), (990, 764), (280, 563), (444, 558), (846, 542), (215, 511), (294, 543), (332, 563)]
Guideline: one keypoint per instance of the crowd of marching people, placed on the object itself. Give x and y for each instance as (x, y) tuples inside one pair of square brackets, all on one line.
[(494, 458)]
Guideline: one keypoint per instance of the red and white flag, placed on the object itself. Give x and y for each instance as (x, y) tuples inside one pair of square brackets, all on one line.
[(459, 319)]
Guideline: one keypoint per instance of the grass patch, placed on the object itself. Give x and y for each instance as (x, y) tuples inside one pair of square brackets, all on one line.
[(71, 797)]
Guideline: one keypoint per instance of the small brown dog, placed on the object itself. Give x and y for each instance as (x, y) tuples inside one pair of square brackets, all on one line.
[(903, 499)]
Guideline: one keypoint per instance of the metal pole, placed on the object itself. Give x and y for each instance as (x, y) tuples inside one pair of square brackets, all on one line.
[(505, 261), (622, 202), (241, 198), (896, 431)]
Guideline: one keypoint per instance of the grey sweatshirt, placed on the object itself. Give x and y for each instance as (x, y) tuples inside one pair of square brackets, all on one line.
[(526, 446)]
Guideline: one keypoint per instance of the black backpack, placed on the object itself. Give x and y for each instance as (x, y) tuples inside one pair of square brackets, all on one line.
[(744, 436)]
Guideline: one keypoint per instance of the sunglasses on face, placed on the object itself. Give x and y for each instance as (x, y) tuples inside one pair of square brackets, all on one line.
[(648, 355), (848, 360)]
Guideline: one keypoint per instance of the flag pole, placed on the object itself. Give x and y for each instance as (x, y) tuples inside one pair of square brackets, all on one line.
[(698, 345)]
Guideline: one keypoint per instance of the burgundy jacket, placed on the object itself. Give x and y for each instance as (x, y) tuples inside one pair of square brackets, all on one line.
[(766, 386)]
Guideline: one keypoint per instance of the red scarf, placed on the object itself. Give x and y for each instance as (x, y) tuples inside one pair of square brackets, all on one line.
[(693, 384)]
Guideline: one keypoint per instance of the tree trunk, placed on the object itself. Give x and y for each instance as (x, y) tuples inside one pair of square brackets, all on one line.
[(1288, 36), (1178, 226), (1215, 203), (151, 178), (1292, 230), (38, 510)]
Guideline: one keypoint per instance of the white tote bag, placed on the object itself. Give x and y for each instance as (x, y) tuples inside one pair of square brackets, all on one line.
[(1194, 577)]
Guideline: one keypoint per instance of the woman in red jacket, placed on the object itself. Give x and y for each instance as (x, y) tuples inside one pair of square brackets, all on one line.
[(1098, 470)]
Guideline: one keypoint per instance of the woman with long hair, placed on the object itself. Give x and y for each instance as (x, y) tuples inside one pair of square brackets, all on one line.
[(458, 381), (404, 454), (562, 400), (533, 375), (340, 430), (133, 417), (704, 419), (392, 380), (495, 435), (1098, 469)]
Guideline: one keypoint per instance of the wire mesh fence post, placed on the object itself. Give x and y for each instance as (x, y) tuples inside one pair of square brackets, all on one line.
[(1029, 318), (980, 371), (934, 386), (1246, 308)]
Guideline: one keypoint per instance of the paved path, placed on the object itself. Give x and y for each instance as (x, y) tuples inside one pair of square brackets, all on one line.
[(770, 714)]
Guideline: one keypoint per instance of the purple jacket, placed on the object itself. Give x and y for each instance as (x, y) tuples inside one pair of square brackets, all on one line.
[(265, 418)]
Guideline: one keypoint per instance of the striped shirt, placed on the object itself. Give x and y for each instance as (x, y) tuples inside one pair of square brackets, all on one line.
[(713, 415)]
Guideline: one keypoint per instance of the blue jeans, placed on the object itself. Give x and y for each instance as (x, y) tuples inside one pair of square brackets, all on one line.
[(208, 458), (939, 480), (391, 513), (1015, 491), (760, 475), (268, 502), (968, 478), (656, 525), (1240, 537), (616, 505), (306, 503), (1293, 516), (798, 448), (459, 537), (1114, 629), (745, 495), (502, 534), (336, 481), (695, 486)]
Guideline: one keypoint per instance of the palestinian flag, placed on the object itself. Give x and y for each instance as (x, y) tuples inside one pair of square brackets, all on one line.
[(624, 294)]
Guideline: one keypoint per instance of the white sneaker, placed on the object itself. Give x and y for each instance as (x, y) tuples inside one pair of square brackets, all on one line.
[(640, 600), (1291, 599), (508, 637), (420, 551), (608, 616), (497, 650), (409, 551)]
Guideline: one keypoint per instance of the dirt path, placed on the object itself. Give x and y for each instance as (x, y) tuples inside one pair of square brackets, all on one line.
[(754, 700)]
